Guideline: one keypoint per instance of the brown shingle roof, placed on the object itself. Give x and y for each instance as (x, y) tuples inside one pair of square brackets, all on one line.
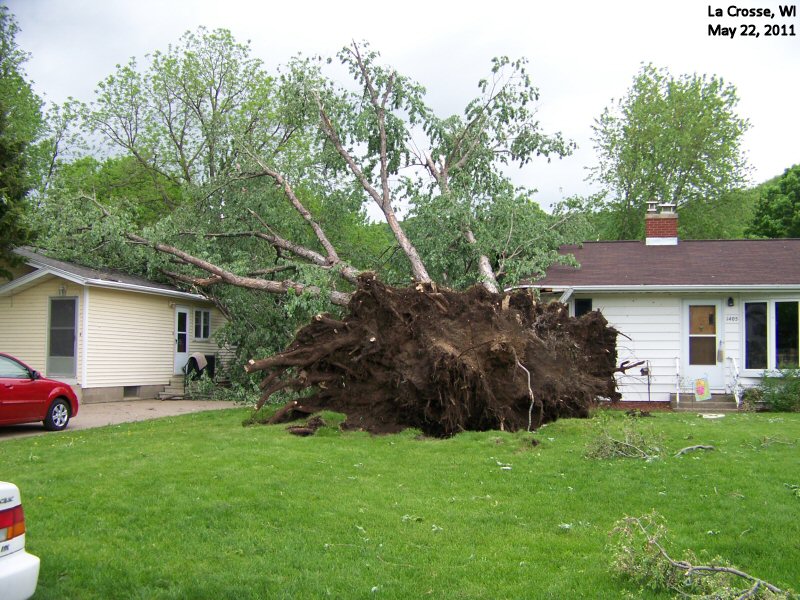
[(735, 263), (88, 276)]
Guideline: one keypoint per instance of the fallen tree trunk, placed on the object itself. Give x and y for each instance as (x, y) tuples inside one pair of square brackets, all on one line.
[(445, 361)]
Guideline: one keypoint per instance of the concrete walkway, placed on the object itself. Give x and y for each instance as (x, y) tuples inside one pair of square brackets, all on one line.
[(100, 414)]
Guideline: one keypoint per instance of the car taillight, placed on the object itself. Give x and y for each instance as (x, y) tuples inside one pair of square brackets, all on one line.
[(12, 523)]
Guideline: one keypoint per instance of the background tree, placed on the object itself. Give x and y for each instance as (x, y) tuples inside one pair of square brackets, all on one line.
[(20, 120), (777, 214), (673, 140)]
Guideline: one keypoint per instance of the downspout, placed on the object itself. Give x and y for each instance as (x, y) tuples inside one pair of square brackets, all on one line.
[(566, 295), (84, 340)]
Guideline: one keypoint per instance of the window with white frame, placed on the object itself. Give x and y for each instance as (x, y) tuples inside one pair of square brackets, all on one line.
[(202, 324), (772, 334)]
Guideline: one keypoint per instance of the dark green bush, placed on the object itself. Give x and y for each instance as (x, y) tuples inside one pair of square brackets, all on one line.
[(780, 390)]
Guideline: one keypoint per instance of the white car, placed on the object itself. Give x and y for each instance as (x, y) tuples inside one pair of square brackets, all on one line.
[(19, 571)]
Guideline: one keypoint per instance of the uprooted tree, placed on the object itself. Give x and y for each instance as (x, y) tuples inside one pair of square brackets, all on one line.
[(272, 175)]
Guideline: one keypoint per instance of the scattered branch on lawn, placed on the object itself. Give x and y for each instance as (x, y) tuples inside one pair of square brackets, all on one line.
[(631, 442), (271, 270), (650, 563), (693, 448), (766, 442)]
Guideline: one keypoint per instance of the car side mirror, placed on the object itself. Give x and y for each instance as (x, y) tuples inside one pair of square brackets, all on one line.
[(35, 375)]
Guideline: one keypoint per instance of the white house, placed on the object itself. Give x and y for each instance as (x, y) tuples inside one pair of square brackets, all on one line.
[(108, 334), (721, 311)]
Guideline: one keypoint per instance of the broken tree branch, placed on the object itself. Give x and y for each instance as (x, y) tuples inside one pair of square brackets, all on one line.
[(693, 448), (418, 269), (270, 286), (690, 569), (281, 182), (345, 270)]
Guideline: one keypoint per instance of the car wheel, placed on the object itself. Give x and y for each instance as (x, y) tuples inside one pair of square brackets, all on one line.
[(57, 416)]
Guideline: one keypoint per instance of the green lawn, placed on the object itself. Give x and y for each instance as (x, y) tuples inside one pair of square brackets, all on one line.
[(200, 507)]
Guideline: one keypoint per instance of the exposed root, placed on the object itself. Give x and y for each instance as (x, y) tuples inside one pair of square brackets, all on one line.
[(445, 361)]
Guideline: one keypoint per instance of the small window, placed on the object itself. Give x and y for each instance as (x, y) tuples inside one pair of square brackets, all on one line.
[(202, 324), (582, 306), (130, 391)]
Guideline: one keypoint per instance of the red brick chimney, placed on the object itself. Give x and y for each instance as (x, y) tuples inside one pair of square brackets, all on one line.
[(661, 225)]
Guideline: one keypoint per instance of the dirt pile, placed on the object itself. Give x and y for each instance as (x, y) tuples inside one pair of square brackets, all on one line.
[(445, 361)]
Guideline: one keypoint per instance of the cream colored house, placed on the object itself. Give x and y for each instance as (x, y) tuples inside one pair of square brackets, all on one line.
[(110, 335)]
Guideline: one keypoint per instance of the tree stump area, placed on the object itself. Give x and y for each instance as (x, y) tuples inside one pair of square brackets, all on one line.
[(445, 361)]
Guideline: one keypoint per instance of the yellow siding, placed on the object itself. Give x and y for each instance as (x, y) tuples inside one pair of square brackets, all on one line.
[(24, 321), (209, 346), (130, 335), (130, 339)]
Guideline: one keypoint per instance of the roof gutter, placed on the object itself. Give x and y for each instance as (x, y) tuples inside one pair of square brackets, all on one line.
[(43, 271), (620, 289), (142, 289)]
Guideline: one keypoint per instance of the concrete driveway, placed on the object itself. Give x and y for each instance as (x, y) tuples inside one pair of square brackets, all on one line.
[(100, 414)]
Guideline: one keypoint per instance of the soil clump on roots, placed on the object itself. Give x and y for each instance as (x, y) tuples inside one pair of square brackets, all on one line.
[(444, 361)]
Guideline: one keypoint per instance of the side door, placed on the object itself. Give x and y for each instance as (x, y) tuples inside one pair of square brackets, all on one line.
[(19, 399), (181, 339)]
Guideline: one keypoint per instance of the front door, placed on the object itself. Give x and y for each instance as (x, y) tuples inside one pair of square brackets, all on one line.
[(181, 339), (62, 337), (702, 343)]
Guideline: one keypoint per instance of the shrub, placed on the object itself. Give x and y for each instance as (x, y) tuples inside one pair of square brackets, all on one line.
[(780, 390)]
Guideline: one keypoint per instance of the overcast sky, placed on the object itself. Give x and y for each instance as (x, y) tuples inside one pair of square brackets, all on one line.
[(582, 54)]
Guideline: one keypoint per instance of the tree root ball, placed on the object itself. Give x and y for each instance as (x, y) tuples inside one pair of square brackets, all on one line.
[(445, 361)]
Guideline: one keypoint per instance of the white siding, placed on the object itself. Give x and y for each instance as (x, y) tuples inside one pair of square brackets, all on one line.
[(653, 324), (733, 332)]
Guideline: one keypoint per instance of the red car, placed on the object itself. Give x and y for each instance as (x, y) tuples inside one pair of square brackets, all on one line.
[(26, 396)]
